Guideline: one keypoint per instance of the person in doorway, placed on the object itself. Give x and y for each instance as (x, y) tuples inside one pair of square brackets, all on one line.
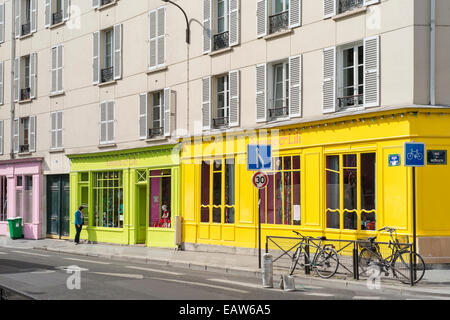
[(79, 221)]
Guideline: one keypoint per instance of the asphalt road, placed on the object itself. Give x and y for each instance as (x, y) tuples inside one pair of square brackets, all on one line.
[(44, 276)]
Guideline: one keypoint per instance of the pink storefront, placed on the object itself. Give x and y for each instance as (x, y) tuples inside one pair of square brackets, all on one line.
[(21, 195)]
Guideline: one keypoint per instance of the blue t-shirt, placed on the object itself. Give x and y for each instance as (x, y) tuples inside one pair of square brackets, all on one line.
[(78, 220)]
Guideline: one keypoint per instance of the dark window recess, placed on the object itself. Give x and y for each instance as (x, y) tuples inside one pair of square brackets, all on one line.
[(24, 148), (347, 5), (25, 94), (221, 40), (278, 22), (107, 74), (26, 29), (155, 132), (57, 17), (105, 2)]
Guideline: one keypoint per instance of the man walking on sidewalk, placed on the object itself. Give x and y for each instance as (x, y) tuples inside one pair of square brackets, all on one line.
[(79, 221)]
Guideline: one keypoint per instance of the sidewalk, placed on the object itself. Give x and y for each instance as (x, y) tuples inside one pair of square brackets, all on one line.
[(434, 282)]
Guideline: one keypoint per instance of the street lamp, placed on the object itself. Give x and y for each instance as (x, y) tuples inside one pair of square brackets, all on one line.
[(188, 29)]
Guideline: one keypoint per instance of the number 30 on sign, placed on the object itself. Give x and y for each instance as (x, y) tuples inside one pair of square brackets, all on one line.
[(260, 180)]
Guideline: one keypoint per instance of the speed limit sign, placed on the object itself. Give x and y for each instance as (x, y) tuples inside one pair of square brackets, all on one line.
[(260, 180)]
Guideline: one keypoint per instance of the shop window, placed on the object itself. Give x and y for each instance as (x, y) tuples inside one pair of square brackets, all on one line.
[(351, 177), (108, 199), (3, 198), (84, 195), (24, 198), (280, 201), (218, 191), (160, 205)]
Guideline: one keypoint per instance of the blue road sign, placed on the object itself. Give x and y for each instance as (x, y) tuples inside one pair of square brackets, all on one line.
[(414, 154), (394, 160), (259, 157)]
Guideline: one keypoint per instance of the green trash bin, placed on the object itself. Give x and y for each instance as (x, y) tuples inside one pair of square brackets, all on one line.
[(15, 228)]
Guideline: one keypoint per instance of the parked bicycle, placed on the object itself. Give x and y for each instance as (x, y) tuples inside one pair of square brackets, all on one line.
[(325, 260), (398, 261)]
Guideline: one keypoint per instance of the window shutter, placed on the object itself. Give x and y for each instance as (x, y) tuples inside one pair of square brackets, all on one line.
[(2, 82), (16, 136), (110, 119), (18, 18), (2, 23), (48, 13), (167, 112), (1, 137), (372, 71), (234, 96), (143, 115), (96, 58), (54, 130), (295, 13), (261, 18), (17, 79), (33, 73), (207, 26), (95, 3), (33, 15), (66, 10), (206, 103), (369, 2), (234, 21), (329, 8), (329, 80), (295, 86), (60, 68), (59, 127), (161, 52), (117, 51), (103, 123), (54, 70), (261, 89), (152, 41), (32, 134)]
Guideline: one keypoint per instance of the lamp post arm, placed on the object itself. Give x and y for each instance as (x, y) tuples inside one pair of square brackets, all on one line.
[(188, 29)]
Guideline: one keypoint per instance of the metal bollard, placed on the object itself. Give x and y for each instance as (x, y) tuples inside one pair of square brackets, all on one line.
[(268, 271)]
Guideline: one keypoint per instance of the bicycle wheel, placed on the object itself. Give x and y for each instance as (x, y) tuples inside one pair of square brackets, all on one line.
[(295, 259), (401, 267), (326, 263), (365, 260)]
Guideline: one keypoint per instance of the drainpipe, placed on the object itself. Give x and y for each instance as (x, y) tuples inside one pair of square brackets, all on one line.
[(433, 54), (13, 58)]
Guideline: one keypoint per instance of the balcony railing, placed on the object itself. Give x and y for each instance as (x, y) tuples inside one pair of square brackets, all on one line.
[(26, 28), (25, 94), (107, 74), (105, 2), (155, 132), (221, 40), (221, 122), (277, 111), (347, 5), (350, 101), (57, 17), (278, 22), (23, 148)]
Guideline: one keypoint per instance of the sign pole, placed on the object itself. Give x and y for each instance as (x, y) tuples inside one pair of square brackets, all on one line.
[(414, 221), (259, 233)]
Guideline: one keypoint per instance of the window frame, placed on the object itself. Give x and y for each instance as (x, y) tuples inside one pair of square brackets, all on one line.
[(356, 46)]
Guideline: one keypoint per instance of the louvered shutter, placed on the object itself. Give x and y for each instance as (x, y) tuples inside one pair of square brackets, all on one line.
[(96, 58), (32, 134), (60, 83), (33, 75), (329, 80), (167, 112), (295, 13), (33, 15), (103, 123), (110, 119), (372, 71), (261, 91), (117, 51), (17, 79), (96, 3), (18, 18), (234, 97), (207, 25), (234, 20), (2, 132), (54, 131), (329, 8), (206, 103), (54, 85), (143, 116), (48, 13), (295, 86), (2, 83), (261, 18), (59, 126), (369, 2), (16, 136), (2, 22), (66, 10), (161, 43), (152, 41)]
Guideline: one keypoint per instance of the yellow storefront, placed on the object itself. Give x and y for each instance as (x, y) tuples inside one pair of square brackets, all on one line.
[(331, 177)]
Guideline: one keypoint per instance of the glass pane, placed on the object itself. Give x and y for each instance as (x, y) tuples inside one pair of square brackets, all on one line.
[(155, 202), (348, 78), (287, 180), (278, 199), (84, 176), (350, 161), (262, 206), (28, 182), (217, 165), (333, 163), (368, 179), (348, 58), (217, 215), (229, 183), (278, 6), (296, 163), (28, 206), (166, 202), (19, 212), (350, 189), (19, 181), (296, 198), (333, 190), (278, 164), (205, 215), (229, 215), (333, 220), (270, 200), (287, 163), (84, 199), (350, 220), (205, 182)]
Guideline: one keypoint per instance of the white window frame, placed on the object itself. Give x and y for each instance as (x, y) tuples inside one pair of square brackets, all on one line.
[(286, 88), (340, 72), (226, 13), (161, 110), (226, 97), (285, 7)]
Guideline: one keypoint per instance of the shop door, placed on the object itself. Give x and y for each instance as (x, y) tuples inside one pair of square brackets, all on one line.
[(58, 196), (142, 214)]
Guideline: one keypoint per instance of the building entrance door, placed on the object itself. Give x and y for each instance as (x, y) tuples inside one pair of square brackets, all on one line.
[(142, 214), (58, 200)]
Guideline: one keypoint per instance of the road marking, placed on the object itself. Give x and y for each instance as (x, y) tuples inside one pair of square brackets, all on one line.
[(155, 270), (32, 254), (366, 298), (43, 272), (89, 261), (121, 275), (202, 285), (244, 284), (319, 294), (3, 253), (71, 269)]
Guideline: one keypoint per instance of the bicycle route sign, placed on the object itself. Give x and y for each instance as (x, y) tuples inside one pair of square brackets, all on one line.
[(260, 180), (414, 154)]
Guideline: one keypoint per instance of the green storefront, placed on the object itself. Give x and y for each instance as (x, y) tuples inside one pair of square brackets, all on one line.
[(132, 197)]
